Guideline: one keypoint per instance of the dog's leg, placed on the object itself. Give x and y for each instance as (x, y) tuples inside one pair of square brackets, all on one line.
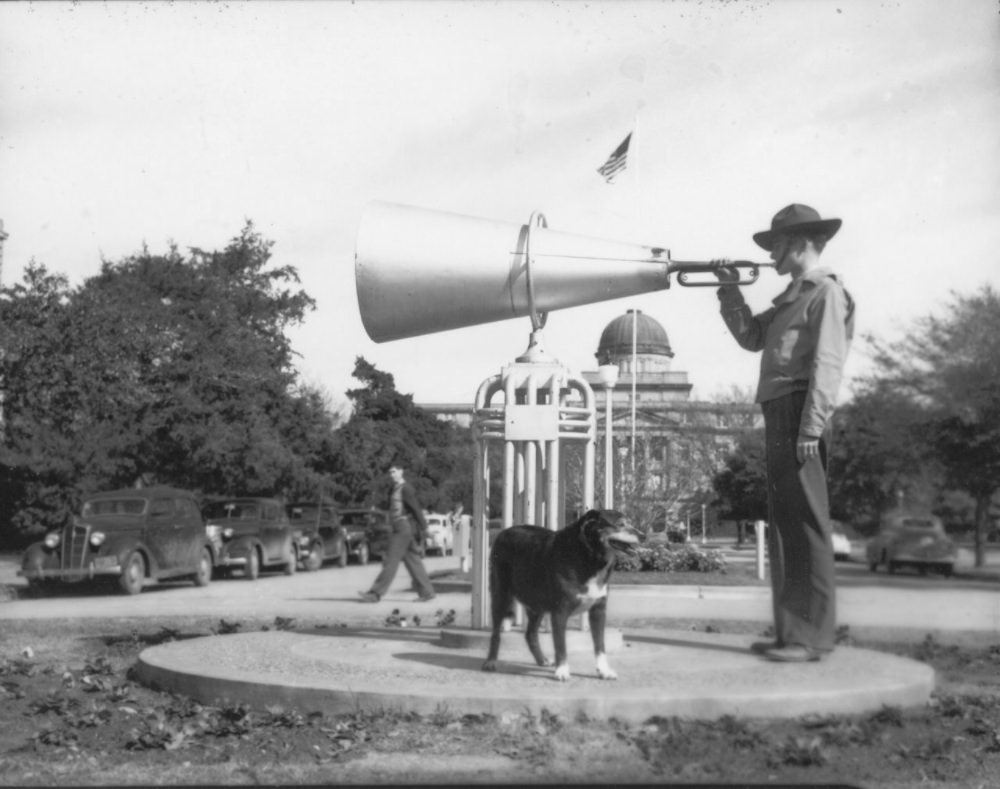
[(560, 618), (531, 636), (596, 616), (501, 605)]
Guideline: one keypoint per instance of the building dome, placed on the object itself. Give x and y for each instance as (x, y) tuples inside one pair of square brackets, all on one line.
[(616, 339)]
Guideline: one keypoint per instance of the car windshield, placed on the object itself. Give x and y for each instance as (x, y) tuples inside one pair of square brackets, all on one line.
[(308, 512), (114, 507), (232, 510), (355, 518)]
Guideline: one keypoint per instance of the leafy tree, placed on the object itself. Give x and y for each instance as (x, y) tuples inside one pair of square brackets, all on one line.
[(385, 427), (948, 367), (162, 368), (741, 486), (879, 457)]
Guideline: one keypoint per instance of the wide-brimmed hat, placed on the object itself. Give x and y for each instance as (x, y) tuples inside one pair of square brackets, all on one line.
[(796, 218)]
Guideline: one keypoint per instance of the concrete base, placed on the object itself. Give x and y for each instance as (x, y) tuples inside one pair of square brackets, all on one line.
[(661, 673)]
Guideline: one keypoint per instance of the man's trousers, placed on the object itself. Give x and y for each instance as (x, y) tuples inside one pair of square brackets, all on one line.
[(803, 574), (403, 547)]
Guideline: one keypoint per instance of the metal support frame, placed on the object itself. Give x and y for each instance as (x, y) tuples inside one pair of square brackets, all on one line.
[(543, 408)]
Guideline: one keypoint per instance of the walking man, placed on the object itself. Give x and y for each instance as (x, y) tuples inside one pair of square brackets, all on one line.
[(406, 541), (804, 339)]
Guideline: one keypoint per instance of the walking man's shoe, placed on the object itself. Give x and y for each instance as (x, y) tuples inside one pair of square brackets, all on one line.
[(426, 597), (762, 647), (369, 597), (794, 653)]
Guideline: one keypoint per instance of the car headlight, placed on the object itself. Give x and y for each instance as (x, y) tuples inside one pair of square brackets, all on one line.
[(218, 532), (52, 539), (97, 539)]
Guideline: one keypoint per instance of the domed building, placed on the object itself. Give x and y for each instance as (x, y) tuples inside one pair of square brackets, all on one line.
[(651, 358)]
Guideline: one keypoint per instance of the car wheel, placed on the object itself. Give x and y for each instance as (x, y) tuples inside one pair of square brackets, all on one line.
[(291, 560), (204, 575), (892, 566), (315, 558), (947, 570), (251, 570), (364, 555), (130, 581)]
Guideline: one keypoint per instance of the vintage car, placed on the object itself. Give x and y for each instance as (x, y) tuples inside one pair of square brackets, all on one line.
[(128, 535), (440, 535), (250, 533), (368, 529), (841, 543), (911, 540), (319, 534)]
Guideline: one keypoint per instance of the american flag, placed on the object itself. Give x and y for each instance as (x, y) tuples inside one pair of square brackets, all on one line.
[(616, 161)]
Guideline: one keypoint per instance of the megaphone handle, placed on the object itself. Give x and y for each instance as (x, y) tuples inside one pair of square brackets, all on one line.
[(538, 319)]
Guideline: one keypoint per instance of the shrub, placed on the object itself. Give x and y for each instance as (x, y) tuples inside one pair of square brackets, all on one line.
[(668, 557)]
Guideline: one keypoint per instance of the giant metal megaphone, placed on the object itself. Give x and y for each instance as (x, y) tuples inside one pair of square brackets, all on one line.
[(421, 271)]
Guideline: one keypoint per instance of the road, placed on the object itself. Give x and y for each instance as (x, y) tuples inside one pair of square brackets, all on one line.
[(967, 602)]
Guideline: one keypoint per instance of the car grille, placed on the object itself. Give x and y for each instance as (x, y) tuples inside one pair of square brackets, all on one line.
[(74, 547)]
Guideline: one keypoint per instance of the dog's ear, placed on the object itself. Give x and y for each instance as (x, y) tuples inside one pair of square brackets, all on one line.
[(587, 522)]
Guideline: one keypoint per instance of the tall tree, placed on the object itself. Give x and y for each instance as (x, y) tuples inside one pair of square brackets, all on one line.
[(162, 368), (386, 426), (948, 366), (879, 457)]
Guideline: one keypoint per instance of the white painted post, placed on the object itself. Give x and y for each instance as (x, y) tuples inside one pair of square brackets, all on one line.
[(759, 529)]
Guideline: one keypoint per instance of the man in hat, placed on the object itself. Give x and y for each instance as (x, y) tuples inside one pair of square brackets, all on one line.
[(804, 339), (409, 528)]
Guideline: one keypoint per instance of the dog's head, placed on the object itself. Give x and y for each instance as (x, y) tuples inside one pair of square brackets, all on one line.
[(606, 532)]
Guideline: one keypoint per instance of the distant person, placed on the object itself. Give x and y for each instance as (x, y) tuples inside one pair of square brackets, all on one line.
[(406, 541), (804, 337)]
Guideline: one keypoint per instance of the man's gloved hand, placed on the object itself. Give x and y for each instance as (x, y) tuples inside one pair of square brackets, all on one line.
[(724, 272)]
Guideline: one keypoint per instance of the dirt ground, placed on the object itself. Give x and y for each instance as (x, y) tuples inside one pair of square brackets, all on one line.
[(71, 714)]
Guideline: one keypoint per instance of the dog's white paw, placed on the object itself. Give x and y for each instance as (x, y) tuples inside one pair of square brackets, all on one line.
[(562, 672), (604, 671)]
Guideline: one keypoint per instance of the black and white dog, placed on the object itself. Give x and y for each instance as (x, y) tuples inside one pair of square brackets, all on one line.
[(559, 573)]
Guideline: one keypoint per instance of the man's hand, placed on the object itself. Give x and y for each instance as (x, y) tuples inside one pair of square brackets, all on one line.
[(724, 272), (806, 447)]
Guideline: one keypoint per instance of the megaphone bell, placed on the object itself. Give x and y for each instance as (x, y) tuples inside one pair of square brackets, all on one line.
[(421, 271)]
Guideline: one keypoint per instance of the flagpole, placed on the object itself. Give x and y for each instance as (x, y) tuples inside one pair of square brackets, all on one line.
[(635, 324), (637, 198)]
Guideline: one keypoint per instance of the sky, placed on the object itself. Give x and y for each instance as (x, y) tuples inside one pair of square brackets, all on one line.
[(132, 124)]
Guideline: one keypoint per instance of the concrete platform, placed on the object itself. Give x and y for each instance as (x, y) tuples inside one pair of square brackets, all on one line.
[(661, 672)]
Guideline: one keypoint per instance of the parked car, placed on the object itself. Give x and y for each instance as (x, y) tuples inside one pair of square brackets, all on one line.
[(319, 535), (440, 536), (368, 530), (841, 543), (129, 535), (913, 540), (250, 533)]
